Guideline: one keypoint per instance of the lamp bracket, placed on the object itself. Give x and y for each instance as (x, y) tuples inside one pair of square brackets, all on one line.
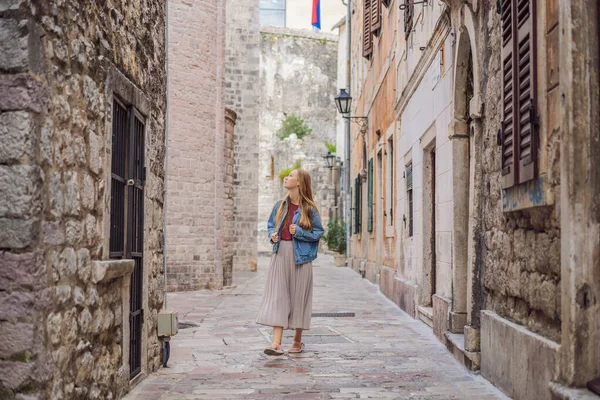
[(362, 122), (405, 6)]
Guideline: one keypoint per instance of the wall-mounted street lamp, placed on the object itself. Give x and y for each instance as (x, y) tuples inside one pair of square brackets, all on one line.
[(343, 101), (329, 159)]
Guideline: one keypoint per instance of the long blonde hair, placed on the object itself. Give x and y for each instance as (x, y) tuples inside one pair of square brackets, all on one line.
[(306, 201)]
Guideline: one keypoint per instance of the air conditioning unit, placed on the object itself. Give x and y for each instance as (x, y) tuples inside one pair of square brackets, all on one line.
[(167, 323)]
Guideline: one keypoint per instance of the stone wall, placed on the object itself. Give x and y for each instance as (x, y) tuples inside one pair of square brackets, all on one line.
[(196, 189), (520, 250), (64, 320), (242, 95), (299, 77)]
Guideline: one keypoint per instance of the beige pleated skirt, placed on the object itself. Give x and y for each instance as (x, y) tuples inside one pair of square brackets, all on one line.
[(287, 299)]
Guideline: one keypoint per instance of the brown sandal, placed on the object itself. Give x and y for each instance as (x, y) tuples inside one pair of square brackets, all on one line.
[(295, 350), (274, 350)]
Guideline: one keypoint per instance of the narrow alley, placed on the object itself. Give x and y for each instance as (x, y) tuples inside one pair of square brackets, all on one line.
[(380, 353)]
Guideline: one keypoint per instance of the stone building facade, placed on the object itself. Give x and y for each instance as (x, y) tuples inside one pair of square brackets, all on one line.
[(496, 241), (298, 77), (242, 93), (200, 229), (79, 88)]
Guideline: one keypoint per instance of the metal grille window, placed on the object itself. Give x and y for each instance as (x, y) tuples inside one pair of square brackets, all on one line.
[(118, 180), (127, 228), (409, 195), (272, 12)]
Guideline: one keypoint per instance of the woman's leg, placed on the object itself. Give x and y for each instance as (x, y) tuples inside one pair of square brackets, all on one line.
[(277, 335), (298, 336)]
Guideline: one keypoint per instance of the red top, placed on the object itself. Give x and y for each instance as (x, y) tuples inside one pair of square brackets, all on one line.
[(285, 232)]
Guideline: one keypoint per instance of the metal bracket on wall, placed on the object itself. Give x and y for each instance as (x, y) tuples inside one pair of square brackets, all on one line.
[(363, 123)]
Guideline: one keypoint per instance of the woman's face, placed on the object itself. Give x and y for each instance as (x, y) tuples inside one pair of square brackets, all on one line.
[(291, 181)]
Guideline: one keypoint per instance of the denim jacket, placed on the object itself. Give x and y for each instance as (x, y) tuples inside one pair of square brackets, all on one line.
[(306, 243)]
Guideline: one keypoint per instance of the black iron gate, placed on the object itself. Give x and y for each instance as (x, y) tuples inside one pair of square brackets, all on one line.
[(127, 214)]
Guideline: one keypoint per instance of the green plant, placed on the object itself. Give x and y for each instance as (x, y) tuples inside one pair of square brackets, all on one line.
[(335, 236), (293, 124), (331, 148), (285, 172)]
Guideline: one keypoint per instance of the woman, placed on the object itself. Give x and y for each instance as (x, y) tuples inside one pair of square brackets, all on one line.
[(294, 230)]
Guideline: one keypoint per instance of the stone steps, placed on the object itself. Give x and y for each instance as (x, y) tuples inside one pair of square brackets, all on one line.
[(456, 345), (426, 315)]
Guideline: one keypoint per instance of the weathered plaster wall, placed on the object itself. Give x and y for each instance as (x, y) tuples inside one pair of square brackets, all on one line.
[(64, 330), (298, 76)]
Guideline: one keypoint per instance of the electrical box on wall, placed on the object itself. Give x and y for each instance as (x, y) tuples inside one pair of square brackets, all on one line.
[(167, 323)]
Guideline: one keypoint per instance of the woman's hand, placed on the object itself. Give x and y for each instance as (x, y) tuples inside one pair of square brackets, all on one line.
[(274, 238), (293, 229)]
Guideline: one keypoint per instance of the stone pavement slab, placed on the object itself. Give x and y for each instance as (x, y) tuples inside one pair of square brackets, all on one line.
[(381, 353)]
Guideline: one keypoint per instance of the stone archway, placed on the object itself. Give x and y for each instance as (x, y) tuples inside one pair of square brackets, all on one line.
[(467, 106)]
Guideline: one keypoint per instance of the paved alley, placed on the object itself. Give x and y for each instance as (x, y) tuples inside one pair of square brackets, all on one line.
[(379, 353)]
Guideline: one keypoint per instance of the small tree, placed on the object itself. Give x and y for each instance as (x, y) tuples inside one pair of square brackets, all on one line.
[(293, 124), (335, 236)]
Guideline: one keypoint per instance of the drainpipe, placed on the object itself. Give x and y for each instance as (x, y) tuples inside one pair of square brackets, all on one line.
[(348, 201), (166, 152)]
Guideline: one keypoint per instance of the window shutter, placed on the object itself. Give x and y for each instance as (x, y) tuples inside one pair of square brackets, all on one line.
[(519, 117), (508, 120), (367, 34), (370, 198), (408, 17), (526, 100), (375, 16), (357, 205)]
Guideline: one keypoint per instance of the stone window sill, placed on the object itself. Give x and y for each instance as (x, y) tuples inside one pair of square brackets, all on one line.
[(105, 271)]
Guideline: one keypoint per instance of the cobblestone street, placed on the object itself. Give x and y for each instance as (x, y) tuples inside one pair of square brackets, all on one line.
[(379, 353)]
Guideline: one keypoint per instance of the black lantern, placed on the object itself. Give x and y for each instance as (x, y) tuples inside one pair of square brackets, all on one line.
[(343, 101), (329, 160)]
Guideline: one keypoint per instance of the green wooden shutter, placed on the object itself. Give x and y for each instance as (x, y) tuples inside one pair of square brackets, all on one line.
[(370, 198)]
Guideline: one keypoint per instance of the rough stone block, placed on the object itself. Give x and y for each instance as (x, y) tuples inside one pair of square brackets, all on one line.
[(17, 233), (23, 92), (17, 135), (15, 339), (13, 45), (54, 232), (26, 271), (516, 360), (20, 187), (14, 373)]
